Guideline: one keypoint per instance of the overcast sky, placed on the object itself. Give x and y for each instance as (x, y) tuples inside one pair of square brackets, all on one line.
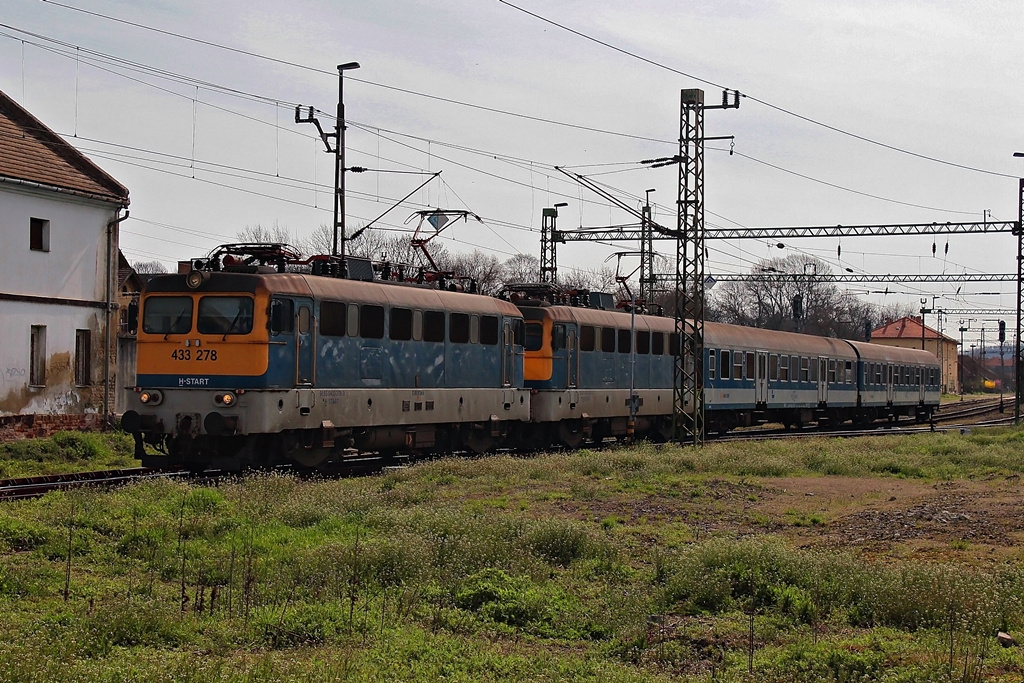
[(934, 78)]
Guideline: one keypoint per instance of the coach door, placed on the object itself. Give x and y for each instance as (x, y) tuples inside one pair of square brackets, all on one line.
[(572, 357), (761, 379), (507, 353), (822, 379), (304, 343)]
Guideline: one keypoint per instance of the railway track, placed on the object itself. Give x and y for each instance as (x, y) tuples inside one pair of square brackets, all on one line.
[(946, 416), (33, 487)]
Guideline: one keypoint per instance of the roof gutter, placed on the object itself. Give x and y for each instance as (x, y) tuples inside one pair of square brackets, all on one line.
[(122, 202)]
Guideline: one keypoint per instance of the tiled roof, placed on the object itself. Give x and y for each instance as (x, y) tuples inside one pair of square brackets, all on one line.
[(906, 328), (30, 151)]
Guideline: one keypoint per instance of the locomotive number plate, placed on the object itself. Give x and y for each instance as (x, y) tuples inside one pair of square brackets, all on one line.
[(200, 355)]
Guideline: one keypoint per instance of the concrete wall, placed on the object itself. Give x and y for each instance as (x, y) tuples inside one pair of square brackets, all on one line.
[(75, 269)]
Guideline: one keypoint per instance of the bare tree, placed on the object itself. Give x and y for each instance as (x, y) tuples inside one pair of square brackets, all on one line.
[(487, 270), (791, 294), (262, 234), (522, 268), (149, 267)]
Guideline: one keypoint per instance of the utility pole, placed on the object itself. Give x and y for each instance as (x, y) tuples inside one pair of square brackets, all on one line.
[(548, 240), (688, 372), (338, 136), (647, 278)]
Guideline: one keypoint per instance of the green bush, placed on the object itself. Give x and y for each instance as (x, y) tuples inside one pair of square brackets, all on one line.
[(16, 534), (559, 542)]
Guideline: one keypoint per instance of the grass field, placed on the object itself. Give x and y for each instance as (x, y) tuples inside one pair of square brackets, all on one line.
[(870, 559)]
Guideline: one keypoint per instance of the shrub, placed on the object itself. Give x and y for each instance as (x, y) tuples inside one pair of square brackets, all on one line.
[(18, 535), (559, 542)]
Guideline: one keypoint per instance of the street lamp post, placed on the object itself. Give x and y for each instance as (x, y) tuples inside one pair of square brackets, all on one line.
[(339, 167)]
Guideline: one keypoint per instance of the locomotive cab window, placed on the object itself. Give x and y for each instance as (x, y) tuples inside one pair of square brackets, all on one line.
[(458, 328), (224, 315), (400, 327), (167, 315), (607, 339), (433, 326), (587, 338), (333, 318), (643, 341), (371, 322), (658, 344), (534, 335), (282, 316), (624, 341), (489, 330), (558, 337)]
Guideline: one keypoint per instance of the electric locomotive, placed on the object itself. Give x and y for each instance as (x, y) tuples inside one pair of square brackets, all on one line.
[(242, 364)]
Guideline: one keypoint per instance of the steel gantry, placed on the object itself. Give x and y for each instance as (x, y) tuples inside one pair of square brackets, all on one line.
[(631, 232)]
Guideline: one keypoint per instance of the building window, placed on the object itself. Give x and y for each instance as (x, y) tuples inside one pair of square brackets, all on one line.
[(39, 234), (37, 350), (83, 358)]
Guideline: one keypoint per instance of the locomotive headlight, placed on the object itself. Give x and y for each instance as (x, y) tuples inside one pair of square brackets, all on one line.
[(151, 397), (195, 279), (226, 400)]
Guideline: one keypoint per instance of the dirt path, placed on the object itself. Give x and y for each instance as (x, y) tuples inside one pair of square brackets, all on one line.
[(976, 522)]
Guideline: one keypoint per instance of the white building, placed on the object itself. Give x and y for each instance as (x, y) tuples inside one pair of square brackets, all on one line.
[(59, 216)]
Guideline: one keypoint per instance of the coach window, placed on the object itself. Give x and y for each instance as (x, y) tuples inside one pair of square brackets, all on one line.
[(849, 372), (643, 341), (726, 365), (489, 330), (433, 326), (587, 337), (658, 344), (624, 341), (371, 322), (607, 339), (282, 316), (737, 365), (711, 364), (333, 318), (784, 368), (400, 327), (878, 373), (831, 370), (773, 367)]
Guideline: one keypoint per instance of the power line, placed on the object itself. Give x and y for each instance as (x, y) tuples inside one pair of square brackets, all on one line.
[(74, 51), (778, 108)]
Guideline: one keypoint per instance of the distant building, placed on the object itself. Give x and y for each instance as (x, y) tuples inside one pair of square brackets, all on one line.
[(58, 280), (906, 333)]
